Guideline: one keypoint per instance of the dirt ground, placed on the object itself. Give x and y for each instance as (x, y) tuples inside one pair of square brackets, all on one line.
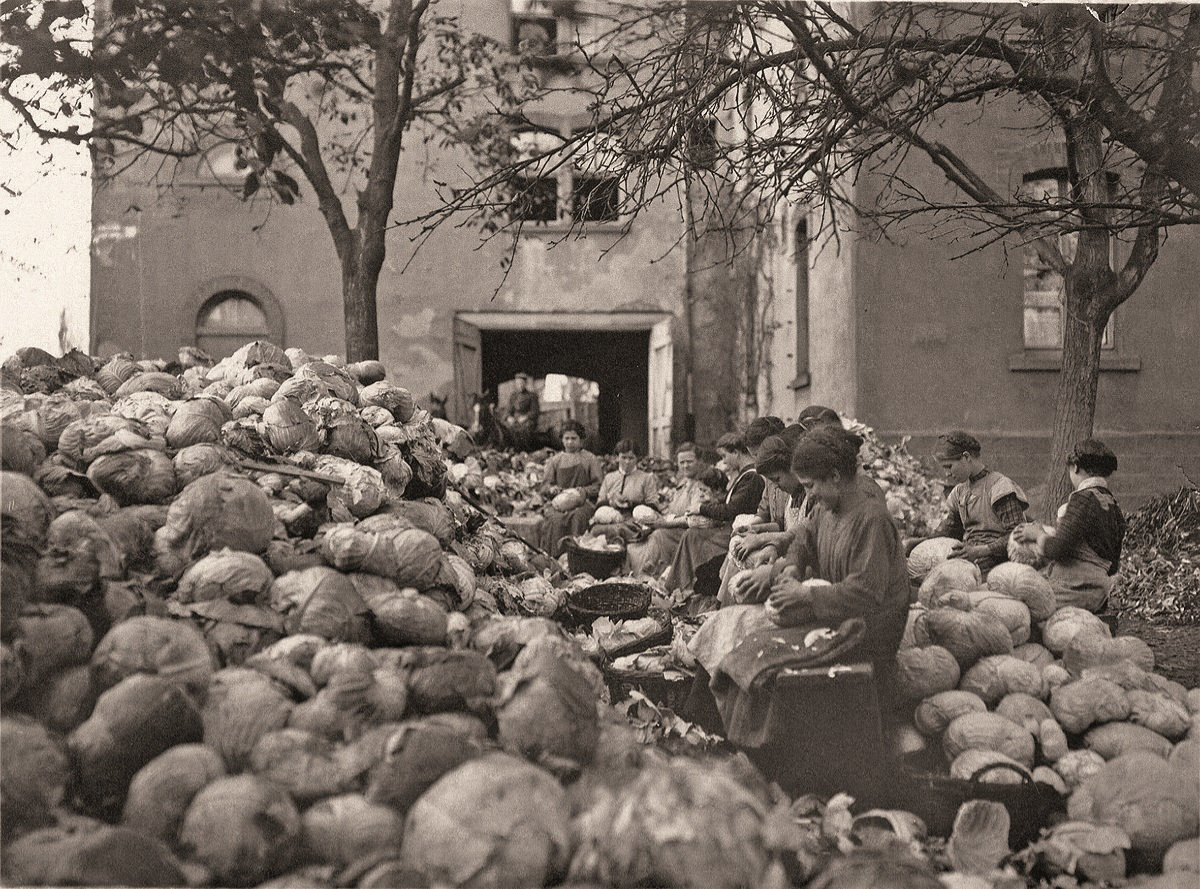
[(1176, 649)]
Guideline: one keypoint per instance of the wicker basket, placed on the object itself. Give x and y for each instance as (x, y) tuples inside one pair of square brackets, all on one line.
[(935, 798), (662, 637), (600, 563), (618, 601), (665, 691)]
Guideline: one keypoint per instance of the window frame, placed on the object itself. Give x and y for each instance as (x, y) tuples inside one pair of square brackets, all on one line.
[(566, 176), (1038, 357)]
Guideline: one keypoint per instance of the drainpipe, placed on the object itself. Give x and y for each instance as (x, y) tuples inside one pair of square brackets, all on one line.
[(689, 315)]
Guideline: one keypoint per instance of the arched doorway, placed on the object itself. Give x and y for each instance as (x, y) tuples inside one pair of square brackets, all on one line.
[(234, 311)]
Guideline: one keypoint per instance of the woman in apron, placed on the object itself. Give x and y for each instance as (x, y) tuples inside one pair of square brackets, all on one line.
[(572, 468), (1084, 548)]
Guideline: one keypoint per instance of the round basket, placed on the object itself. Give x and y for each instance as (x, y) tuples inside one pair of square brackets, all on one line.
[(618, 601), (599, 563)]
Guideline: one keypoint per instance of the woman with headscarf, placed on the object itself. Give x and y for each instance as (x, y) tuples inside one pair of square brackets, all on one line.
[(1084, 548), (572, 469)]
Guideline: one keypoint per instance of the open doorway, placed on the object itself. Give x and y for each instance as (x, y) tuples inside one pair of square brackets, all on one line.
[(624, 357), (612, 365)]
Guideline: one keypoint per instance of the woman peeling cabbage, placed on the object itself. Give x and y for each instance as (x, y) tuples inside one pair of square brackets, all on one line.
[(848, 549), (572, 477), (1084, 548), (623, 489)]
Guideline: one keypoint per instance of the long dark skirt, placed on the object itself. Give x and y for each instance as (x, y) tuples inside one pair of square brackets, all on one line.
[(564, 524)]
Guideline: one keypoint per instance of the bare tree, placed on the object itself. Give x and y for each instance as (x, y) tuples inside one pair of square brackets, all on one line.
[(752, 105), (319, 90)]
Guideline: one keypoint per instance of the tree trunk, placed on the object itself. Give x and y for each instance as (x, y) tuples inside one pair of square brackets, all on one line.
[(1075, 399), (359, 285)]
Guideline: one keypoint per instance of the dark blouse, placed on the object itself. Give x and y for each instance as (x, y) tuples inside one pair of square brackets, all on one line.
[(742, 500), (1092, 517)]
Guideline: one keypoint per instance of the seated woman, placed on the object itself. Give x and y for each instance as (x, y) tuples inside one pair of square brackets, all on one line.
[(623, 489), (654, 555), (848, 541), (1084, 547), (572, 469), (700, 544), (766, 541)]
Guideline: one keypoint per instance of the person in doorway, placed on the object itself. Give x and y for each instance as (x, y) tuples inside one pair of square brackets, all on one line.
[(699, 545), (572, 469), (984, 505), (654, 555), (623, 489), (521, 421), (1084, 548)]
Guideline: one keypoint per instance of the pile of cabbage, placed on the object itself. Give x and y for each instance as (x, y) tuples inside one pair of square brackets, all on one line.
[(251, 634), (250, 637), (998, 677)]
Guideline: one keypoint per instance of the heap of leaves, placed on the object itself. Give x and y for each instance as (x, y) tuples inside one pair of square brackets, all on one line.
[(1160, 563), (914, 497)]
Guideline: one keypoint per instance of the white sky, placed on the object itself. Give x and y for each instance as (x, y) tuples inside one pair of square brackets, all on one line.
[(45, 238)]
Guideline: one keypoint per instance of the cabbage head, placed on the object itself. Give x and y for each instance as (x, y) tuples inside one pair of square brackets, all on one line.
[(496, 821), (243, 828)]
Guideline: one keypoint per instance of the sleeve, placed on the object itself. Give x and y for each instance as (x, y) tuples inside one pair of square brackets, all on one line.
[(649, 490), (764, 505), (1071, 528), (864, 588), (1004, 487), (596, 476), (606, 488), (952, 525), (535, 407), (1011, 512), (744, 499), (550, 471)]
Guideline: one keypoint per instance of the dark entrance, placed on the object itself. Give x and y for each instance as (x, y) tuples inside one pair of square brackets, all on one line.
[(616, 360)]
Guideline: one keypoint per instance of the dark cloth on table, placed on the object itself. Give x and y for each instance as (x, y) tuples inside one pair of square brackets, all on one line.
[(743, 683)]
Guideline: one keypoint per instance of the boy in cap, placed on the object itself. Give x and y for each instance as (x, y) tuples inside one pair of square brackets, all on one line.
[(984, 505)]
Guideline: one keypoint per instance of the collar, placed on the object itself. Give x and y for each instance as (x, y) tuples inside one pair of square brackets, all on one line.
[(978, 476), (1092, 481), (734, 483)]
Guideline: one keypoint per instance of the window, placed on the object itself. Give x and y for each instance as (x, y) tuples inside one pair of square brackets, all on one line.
[(549, 31), (802, 261), (595, 199), (1044, 288), (580, 183), (534, 28), (536, 199), (229, 320)]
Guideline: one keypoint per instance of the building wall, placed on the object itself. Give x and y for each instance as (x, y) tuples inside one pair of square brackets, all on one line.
[(830, 375)]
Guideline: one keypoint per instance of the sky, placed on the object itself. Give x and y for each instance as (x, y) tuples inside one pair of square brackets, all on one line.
[(45, 237)]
